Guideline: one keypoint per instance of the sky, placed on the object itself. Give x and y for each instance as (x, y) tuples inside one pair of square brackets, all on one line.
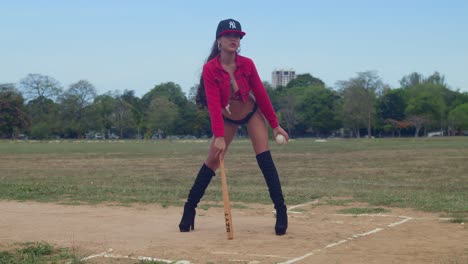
[(135, 45)]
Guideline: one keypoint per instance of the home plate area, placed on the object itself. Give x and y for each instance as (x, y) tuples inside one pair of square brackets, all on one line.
[(313, 231)]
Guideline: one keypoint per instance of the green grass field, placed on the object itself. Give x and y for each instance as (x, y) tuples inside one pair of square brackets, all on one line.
[(43, 252), (429, 174), (38, 252)]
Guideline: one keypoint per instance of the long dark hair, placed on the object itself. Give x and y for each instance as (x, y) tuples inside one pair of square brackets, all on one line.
[(201, 95)]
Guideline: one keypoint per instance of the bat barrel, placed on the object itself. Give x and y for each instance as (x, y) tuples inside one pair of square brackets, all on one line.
[(227, 204)]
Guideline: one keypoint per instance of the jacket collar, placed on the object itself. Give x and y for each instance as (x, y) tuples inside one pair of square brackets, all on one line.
[(239, 61)]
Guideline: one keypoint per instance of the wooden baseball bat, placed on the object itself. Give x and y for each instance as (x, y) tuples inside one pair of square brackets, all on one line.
[(227, 204)]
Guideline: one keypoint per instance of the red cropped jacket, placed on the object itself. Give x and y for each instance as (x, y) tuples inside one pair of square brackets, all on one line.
[(218, 88)]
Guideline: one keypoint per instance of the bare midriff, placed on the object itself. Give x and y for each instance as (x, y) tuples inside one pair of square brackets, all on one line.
[(239, 109)]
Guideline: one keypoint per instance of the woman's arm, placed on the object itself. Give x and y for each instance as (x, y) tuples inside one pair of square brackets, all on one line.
[(213, 98), (262, 98)]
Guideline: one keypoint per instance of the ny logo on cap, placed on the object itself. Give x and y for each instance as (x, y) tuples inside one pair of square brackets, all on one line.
[(232, 24)]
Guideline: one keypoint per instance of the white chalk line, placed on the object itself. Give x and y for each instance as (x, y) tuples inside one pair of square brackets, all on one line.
[(300, 205), (290, 209), (244, 261), (253, 255), (374, 231), (405, 219), (336, 244), (300, 258), (107, 254)]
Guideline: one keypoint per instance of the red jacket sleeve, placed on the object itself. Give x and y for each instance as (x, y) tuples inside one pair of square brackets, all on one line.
[(262, 98), (213, 99)]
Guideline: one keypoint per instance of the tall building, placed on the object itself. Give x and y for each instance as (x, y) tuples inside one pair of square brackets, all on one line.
[(281, 77)]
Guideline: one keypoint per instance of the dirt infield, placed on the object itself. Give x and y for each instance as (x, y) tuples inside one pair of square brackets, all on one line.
[(317, 234)]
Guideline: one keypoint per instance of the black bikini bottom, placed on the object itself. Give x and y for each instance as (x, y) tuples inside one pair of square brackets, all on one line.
[(244, 120)]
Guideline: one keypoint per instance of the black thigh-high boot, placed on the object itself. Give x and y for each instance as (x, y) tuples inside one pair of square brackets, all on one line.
[(196, 193), (266, 164)]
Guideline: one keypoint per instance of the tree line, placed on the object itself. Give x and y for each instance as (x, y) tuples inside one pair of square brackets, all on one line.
[(362, 106)]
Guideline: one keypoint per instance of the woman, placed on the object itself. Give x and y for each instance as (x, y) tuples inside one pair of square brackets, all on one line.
[(232, 90)]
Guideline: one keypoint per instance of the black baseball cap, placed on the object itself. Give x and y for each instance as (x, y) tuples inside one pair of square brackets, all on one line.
[(229, 26)]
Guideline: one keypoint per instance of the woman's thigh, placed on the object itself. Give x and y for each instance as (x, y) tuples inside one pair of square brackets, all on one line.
[(229, 132), (258, 133)]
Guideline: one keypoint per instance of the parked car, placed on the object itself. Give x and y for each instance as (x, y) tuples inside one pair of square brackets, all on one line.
[(156, 136), (112, 136), (435, 134), (99, 136)]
